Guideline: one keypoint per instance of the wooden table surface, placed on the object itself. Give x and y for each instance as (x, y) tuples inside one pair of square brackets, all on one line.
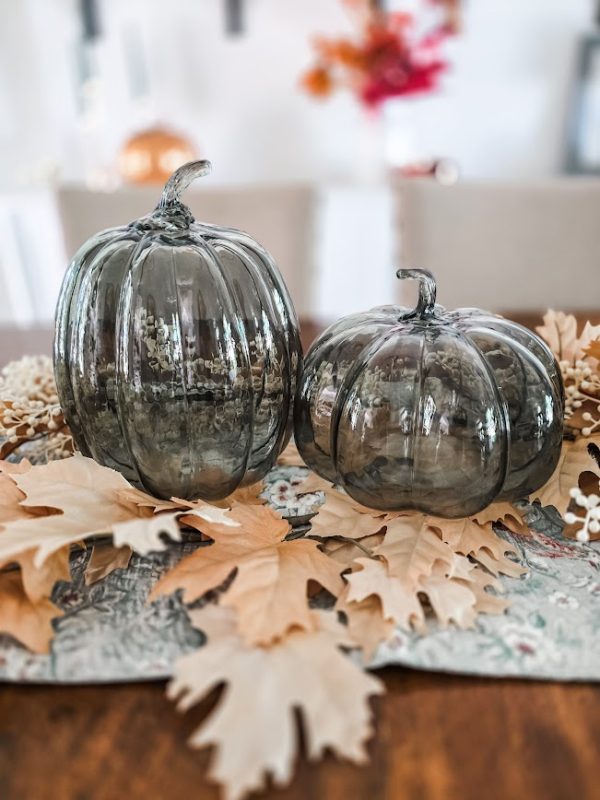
[(438, 737)]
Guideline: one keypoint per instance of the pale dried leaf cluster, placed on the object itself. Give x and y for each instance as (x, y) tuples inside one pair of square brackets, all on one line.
[(578, 355), (29, 408)]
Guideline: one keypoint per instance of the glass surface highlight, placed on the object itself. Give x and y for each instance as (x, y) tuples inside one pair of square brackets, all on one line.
[(441, 412), (177, 352)]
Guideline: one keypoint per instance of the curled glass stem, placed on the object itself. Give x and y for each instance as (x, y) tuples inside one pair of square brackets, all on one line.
[(180, 180), (427, 289)]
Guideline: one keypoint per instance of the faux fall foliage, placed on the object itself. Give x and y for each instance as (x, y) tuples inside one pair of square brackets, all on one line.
[(397, 571), (258, 581)]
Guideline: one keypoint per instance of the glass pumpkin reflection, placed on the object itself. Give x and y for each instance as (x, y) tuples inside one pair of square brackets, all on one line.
[(177, 352), (442, 412)]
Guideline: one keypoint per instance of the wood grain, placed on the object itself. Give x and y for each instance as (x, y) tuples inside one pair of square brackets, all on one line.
[(438, 738)]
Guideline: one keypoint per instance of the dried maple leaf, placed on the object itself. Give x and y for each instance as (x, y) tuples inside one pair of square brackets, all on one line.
[(411, 548), (467, 537), (486, 603), (593, 349), (399, 602), (38, 581), (27, 620), (87, 496), (502, 512), (417, 562), (248, 495), (270, 584), (575, 459), (367, 624), (253, 727), (451, 600), (144, 533), (105, 559), (340, 515), (560, 332), (344, 551)]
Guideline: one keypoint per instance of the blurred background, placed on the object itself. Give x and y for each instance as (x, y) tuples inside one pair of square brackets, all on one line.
[(350, 137)]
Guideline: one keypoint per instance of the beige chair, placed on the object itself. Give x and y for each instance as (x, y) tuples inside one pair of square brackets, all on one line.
[(281, 218), (504, 247)]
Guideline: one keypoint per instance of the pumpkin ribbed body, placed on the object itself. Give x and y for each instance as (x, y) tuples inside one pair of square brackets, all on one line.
[(177, 354), (439, 412)]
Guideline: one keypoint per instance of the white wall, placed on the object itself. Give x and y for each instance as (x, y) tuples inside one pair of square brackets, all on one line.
[(501, 112)]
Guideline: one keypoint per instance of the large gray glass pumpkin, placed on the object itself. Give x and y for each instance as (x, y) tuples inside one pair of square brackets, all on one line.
[(442, 412), (177, 352)]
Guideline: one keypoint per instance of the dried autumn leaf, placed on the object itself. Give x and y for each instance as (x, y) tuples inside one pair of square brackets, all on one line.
[(340, 515), (574, 460), (593, 349), (367, 624), (28, 621), (248, 495), (105, 559), (399, 602), (38, 582), (486, 603), (144, 533), (411, 548), (344, 551), (270, 585), (502, 512), (467, 537), (560, 332), (451, 600), (253, 727), (88, 498)]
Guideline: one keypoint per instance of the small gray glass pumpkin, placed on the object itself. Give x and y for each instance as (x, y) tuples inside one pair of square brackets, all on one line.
[(441, 412), (177, 352)]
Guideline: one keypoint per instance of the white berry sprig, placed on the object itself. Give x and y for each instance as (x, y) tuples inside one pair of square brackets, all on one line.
[(591, 521), (582, 386)]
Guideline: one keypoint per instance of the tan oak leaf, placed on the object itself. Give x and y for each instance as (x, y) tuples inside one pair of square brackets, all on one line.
[(269, 589), (106, 558), (39, 581), (467, 537), (340, 515), (29, 621), (560, 332), (253, 727), (411, 548), (451, 600), (367, 625), (248, 495), (346, 550), (485, 602), (502, 512), (87, 497), (593, 349), (399, 602)]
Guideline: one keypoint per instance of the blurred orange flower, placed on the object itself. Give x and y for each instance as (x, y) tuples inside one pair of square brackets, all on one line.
[(318, 82), (387, 60)]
